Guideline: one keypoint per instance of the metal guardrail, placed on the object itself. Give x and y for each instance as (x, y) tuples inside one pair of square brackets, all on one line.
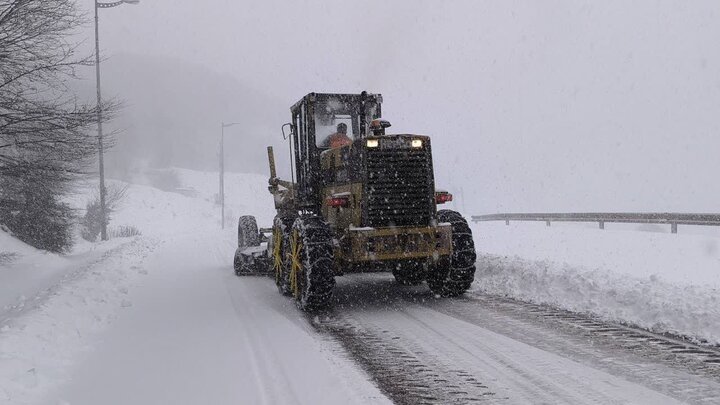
[(663, 218)]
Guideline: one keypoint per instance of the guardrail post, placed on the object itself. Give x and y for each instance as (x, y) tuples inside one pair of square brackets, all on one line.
[(507, 222), (602, 224), (547, 223), (673, 227)]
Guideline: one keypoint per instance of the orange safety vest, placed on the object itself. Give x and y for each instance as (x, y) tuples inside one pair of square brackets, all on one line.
[(338, 140)]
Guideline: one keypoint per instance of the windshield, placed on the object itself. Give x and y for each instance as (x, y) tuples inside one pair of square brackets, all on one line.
[(335, 119)]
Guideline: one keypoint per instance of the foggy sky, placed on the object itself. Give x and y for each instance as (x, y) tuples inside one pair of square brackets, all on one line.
[(546, 106)]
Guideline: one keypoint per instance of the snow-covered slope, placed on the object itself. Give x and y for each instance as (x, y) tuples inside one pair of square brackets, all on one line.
[(26, 272), (191, 206)]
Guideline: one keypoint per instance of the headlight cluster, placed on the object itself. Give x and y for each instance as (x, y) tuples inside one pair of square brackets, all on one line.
[(374, 143)]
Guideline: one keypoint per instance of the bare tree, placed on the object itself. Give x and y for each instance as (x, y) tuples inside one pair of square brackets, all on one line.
[(45, 141)]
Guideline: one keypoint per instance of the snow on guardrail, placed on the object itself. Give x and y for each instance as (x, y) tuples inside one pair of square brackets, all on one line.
[(660, 281), (670, 218)]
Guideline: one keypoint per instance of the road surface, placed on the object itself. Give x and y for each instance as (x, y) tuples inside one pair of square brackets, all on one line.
[(192, 332)]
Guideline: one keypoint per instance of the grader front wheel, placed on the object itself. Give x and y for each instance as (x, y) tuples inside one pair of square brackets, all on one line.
[(280, 253), (455, 279)]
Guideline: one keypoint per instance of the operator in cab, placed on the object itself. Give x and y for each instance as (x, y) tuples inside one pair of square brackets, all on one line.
[(337, 139)]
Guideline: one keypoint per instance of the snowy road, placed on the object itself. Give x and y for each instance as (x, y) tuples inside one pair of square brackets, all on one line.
[(194, 333), (423, 350)]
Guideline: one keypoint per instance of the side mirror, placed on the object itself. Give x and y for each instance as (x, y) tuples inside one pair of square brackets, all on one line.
[(290, 132)]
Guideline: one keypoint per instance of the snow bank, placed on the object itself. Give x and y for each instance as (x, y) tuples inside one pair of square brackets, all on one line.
[(660, 281), (53, 306), (36, 348), (27, 273)]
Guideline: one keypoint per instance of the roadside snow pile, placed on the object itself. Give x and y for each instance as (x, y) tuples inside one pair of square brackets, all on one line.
[(15, 256), (35, 349), (26, 272), (52, 307), (662, 282), (12, 249)]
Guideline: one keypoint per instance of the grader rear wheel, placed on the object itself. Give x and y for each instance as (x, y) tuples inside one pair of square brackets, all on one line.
[(311, 263), (455, 279)]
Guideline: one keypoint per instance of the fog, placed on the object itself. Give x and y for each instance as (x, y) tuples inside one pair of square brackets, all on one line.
[(533, 106)]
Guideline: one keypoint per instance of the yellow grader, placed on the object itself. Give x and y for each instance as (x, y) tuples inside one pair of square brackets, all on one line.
[(358, 201)]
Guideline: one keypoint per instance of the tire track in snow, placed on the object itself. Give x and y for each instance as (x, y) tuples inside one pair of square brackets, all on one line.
[(573, 330), (268, 376), (422, 350), (403, 371)]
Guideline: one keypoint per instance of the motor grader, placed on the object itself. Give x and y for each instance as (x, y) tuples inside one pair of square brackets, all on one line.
[(368, 205)]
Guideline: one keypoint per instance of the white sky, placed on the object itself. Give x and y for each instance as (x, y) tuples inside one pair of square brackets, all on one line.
[(533, 105)]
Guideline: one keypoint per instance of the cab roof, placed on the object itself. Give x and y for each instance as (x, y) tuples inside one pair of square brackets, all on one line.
[(319, 97)]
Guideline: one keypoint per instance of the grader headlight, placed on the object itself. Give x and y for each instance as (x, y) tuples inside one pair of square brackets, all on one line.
[(373, 143), (416, 143)]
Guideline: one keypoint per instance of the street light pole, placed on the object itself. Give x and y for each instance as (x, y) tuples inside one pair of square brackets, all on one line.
[(222, 171), (103, 225), (222, 177), (103, 209)]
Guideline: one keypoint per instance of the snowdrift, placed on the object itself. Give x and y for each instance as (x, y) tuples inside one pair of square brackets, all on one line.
[(53, 307), (660, 281)]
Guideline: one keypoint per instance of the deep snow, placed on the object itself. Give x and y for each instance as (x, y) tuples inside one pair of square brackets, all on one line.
[(27, 272), (661, 281)]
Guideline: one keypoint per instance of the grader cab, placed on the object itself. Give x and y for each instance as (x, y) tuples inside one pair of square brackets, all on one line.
[(358, 201)]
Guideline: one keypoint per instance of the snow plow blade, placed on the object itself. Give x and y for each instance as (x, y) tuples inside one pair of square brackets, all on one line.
[(251, 261)]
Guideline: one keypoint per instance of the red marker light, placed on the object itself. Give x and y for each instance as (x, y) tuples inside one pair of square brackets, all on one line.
[(441, 197), (336, 202)]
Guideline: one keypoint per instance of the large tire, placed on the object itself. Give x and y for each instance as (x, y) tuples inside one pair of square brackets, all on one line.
[(409, 273), (455, 279), (280, 252), (248, 233), (312, 263), (237, 265)]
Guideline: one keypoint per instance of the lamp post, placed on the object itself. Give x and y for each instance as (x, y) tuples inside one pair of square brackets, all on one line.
[(103, 216), (222, 170)]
